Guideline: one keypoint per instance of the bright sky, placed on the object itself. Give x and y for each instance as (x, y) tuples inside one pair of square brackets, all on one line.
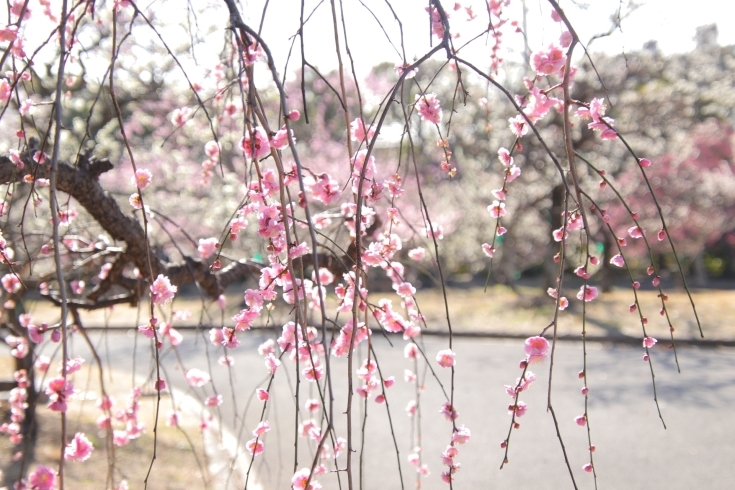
[(670, 22)]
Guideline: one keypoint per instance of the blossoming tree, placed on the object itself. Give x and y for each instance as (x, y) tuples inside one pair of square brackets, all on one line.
[(211, 176)]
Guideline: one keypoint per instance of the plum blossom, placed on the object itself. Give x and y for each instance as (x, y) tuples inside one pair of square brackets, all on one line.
[(518, 126), (649, 342), (548, 62), (142, 178), (42, 478), (461, 435), (636, 232), (213, 401), (162, 291), (255, 446), (271, 363), (180, 116), (537, 349), (435, 231), (428, 107), (207, 247), (197, 377), (79, 449), (445, 358), (300, 479), (417, 253), (587, 293), (357, 131), (497, 209), (596, 111), (11, 283), (255, 143), (618, 260), (324, 188), (59, 390)]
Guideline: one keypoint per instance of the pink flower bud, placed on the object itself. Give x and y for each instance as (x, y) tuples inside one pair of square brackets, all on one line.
[(55, 336), (294, 115), (644, 162)]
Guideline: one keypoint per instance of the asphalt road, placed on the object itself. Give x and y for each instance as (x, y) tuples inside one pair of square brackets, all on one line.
[(696, 451)]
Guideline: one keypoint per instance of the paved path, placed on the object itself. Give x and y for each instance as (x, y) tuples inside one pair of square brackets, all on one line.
[(633, 450)]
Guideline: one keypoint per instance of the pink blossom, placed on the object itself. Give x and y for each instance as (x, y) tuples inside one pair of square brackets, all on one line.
[(587, 468), (411, 408), (636, 232), (79, 449), (518, 126), (180, 116), (271, 363), (135, 201), (411, 351), (580, 420), (445, 358), (324, 188), (73, 365), (548, 62), (357, 131), (312, 405), (207, 247), (519, 409), (142, 178), (497, 209), (587, 293), (536, 348), (255, 143), (280, 140), (211, 148), (59, 390), (229, 338), (11, 283), (563, 303), (618, 260), (197, 377), (581, 271), (162, 291), (400, 69), (8, 33), (301, 477), (649, 342), (26, 107), (435, 231), (449, 412), (261, 429), (417, 253), (42, 478), (172, 420), (461, 435), (488, 249), (566, 39), (255, 446), (429, 108), (504, 157), (262, 394)]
